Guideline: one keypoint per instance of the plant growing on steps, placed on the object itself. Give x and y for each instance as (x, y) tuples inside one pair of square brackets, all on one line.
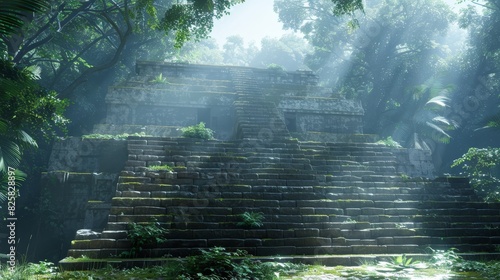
[(161, 168), (159, 79), (141, 235), (251, 220), (198, 131), (389, 142)]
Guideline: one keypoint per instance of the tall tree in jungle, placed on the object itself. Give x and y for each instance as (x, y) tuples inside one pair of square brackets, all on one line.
[(25, 107), (380, 56)]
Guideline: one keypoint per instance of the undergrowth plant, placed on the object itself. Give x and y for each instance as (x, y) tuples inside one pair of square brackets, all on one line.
[(26, 271), (198, 131), (251, 220), (141, 235), (159, 79), (216, 263), (482, 167), (401, 263), (444, 258), (389, 142)]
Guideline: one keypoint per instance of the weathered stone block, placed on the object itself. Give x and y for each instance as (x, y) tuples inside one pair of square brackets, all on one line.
[(226, 242), (307, 232), (149, 210), (121, 210), (135, 163), (352, 211), (274, 233), (369, 249), (135, 194)]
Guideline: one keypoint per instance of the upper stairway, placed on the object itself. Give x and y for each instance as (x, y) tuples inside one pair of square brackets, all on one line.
[(316, 199), (256, 117)]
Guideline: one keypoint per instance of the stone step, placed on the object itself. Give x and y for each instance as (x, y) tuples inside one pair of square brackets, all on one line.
[(322, 256)]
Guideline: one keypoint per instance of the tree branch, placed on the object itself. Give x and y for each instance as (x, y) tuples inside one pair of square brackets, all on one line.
[(68, 91), (29, 45)]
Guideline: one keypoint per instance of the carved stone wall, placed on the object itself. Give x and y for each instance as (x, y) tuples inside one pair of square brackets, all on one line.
[(186, 94)]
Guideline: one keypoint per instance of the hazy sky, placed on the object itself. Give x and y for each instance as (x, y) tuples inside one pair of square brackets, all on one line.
[(252, 20), (255, 19)]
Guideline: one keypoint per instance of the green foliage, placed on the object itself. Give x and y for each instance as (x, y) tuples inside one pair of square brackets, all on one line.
[(193, 20), (481, 165), (198, 131), (251, 220), (25, 271), (274, 66), (444, 258), (13, 12), (5, 178), (216, 264), (161, 168), (159, 79), (389, 142), (401, 263), (42, 267), (26, 110), (122, 136), (348, 58), (141, 235)]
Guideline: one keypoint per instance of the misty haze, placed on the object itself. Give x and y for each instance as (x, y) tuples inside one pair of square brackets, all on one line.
[(250, 139)]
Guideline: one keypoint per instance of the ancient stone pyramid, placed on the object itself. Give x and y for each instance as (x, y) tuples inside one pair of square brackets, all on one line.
[(334, 202)]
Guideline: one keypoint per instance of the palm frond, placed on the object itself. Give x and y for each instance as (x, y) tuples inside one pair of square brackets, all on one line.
[(492, 122), (10, 154), (4, 182), (439, 100), (13, 11), (439, 130), (26, 140)]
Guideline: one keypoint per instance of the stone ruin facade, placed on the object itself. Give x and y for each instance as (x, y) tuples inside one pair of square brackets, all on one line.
[(285, 147), (189, 94)]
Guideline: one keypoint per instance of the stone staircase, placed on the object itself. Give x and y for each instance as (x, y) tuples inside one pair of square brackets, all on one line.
[(256, 117), (345, 200)]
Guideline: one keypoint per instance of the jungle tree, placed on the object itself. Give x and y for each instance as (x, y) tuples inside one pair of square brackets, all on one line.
[(385, 56)]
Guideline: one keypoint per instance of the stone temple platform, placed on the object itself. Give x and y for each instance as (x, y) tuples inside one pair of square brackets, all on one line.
[(287, 149)]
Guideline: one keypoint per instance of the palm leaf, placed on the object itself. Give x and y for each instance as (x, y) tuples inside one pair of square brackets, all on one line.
[(4, 182), (10, 154), (492, 122), (439, 130), (439, 100), (13, 11), (26, 140)]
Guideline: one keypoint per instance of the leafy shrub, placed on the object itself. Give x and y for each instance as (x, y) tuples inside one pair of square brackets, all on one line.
[(401, 263), (42, 267), (141, 235), (197, 131), (274, 66), (25, 271), (159, 79), (481, 165), (216, 263), (444, 258), (251, 220), (389, 142)]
